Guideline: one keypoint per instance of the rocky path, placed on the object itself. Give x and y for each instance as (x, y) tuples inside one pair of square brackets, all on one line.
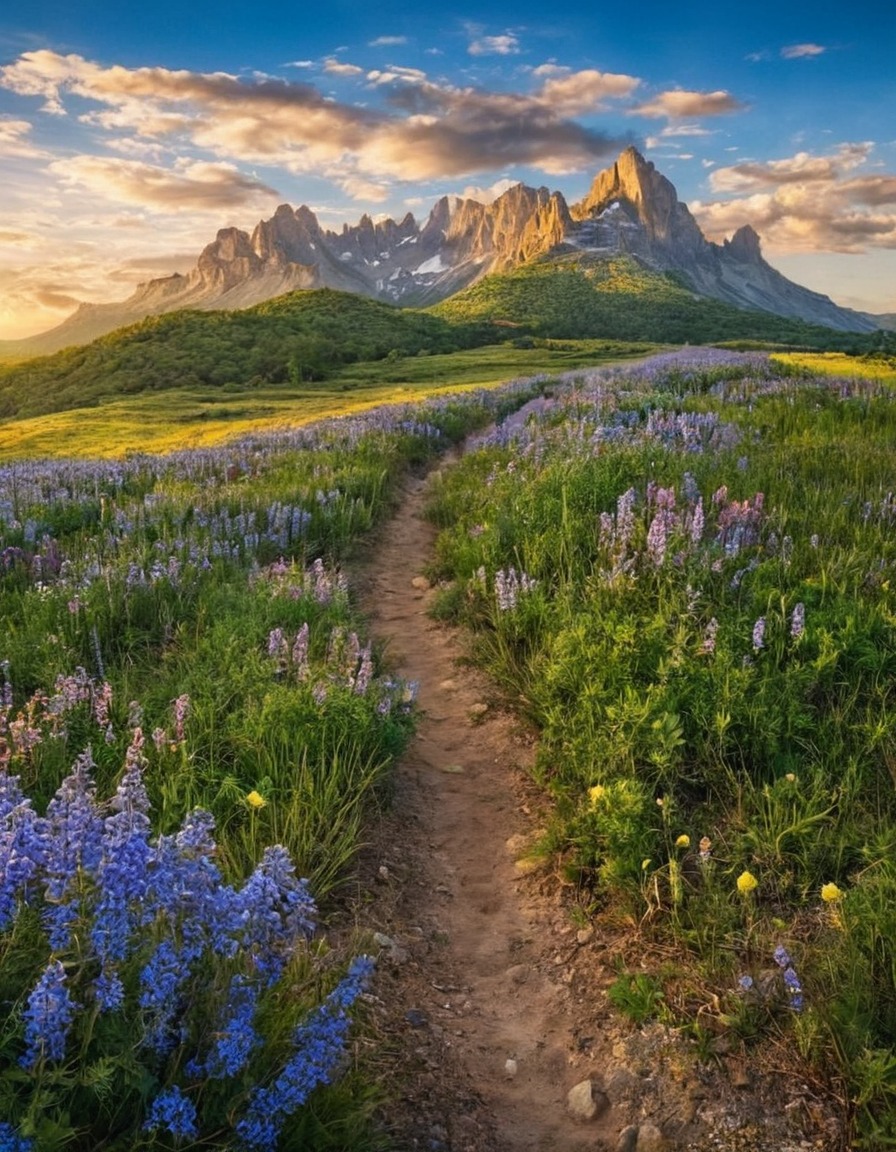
[(490, 1000)]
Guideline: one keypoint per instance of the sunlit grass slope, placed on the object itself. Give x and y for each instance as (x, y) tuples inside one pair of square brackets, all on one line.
[(193, 418), (618, 299)]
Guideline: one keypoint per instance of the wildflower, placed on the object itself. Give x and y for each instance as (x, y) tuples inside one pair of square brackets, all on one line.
[(709, 638), (595, 794), (255, 799), (181, 711), (683, 841), (794, 988), (747, 883), (236, 1038), (759, 634), (746, 982), (831, 894), (782, 957), (319, 1044), (705, 849), (173, 1111), (48, 1017), (798, 620), (11, 1141)]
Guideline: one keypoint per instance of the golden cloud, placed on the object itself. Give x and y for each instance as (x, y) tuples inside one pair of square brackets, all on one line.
[(805, 203), (680, 104), (425, 131)]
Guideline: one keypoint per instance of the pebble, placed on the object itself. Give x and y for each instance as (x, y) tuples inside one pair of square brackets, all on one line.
[(510, 1068), (421, 583), (584, 1102), (650, 1139), (584, 935), (448, 686)]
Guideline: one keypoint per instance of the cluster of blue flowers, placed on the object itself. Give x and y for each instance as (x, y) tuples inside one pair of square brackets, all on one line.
[(159, 908)]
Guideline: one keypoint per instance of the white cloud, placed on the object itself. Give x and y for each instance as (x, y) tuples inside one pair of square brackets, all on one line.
[(387, 41), (506, 45), (14, 139), (802, 51), (336, 67)]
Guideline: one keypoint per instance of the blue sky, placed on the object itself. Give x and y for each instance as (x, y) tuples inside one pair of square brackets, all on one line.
[(129, 133)]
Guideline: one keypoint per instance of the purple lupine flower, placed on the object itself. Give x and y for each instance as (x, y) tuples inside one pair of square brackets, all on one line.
[(798, 620), (48, 1017), (22, 849), (759, 634), (709, 638), (300, 652), (181, 712), (365, 672), (657, 539), (102, 699), (697, 522), (276, 643), (794, 988), (175, 1113)]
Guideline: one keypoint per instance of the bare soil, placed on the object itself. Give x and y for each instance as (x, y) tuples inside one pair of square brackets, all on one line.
[(490, 1001)]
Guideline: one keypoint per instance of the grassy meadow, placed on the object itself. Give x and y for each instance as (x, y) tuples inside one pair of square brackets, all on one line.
[(679, 569), (191, 719), (684, 573)]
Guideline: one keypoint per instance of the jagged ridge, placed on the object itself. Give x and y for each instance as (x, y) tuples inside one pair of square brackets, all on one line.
[(630, 209)]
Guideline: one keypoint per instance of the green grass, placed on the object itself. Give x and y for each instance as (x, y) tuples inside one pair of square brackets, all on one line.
[(714, 690), (191, 417), (617, 299)]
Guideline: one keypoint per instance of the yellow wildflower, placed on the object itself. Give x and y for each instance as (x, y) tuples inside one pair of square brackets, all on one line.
[(830, 893), (255, 799), (596, 793), (746, 883), (683, 841)]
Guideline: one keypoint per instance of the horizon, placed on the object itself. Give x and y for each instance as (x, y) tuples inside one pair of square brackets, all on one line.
[(129, 138)]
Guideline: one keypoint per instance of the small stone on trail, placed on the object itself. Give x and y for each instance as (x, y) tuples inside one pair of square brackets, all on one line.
[(382, 940), (650, 1139), (510, 1068), (584, 1102), (420, 582), (416, 1018), (448, 686), (628, 1138), (584, 935), (477, 710), (382, 873), (454, 769)]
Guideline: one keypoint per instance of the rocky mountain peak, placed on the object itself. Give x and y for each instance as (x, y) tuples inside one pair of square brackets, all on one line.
[(744, 245), (630, 209)]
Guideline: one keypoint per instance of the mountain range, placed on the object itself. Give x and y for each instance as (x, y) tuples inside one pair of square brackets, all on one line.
[(631, 209)]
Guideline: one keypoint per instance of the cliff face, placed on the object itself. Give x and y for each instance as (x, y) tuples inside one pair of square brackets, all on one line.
[(630, 208)]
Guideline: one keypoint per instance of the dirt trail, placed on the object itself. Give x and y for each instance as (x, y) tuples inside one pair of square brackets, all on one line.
[(491, 1002)]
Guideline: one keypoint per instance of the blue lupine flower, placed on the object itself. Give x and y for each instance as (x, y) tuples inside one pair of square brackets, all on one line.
[(782, 957), (126, 852), (109, 990), (48, 1017), (11, 1141), (319, 1044), (175, 1112), (160, 984), (278, 910), (236, 1038), (794, 988), (22, 850)]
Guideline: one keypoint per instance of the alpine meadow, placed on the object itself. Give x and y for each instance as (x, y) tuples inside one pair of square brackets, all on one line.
[(448, 661)]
